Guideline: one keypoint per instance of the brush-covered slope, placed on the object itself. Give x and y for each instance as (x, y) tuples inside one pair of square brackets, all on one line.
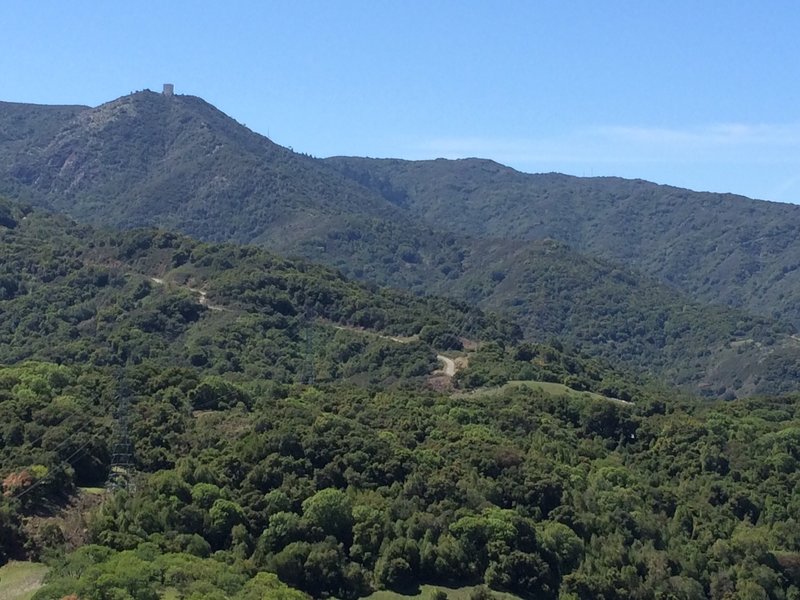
[(177, 162), (616, 313), (606, 309), (33, 124), (71, 294), (338, 491), (181, 164), (574, 483), (720, 248)]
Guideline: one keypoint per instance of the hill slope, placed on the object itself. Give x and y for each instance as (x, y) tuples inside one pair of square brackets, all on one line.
[(616, 313), (337, 491), (178, 162), (70, 294), (468, 229), (247, 485), (719, 248)]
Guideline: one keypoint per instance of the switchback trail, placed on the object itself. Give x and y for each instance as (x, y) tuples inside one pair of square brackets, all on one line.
[(449, 365)]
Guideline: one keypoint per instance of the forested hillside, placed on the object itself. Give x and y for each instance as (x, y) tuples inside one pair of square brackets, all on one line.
[(291, 438), (615, 313), (176, 162), (161, 289), (338, 490), (72, 294), (606, 309), (719, 248)]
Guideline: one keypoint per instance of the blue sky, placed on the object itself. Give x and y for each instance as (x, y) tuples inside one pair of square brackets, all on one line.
[(704, 95)]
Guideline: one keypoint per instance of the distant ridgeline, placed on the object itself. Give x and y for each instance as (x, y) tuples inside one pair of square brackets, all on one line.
[(700, 289)]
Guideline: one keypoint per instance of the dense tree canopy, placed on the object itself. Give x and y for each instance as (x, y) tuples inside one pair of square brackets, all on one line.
[(339, 489), (268, 470)]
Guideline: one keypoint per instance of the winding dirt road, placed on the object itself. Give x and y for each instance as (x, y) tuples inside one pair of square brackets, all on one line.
[(449, 365)]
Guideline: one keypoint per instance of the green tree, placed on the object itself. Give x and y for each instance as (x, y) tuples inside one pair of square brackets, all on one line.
[(332, 512)]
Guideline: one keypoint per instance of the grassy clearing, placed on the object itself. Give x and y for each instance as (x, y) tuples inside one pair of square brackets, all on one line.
[(550, 388), (558, 389), (426, 593), (20, 580)]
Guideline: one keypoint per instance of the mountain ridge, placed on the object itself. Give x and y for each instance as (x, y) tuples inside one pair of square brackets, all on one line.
[(703, 248)]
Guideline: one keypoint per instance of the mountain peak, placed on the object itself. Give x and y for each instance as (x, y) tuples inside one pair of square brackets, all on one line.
[(176, 161)]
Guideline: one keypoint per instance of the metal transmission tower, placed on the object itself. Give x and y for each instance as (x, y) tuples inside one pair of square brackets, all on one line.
[(309, 370), (467, 322), (122, 465)]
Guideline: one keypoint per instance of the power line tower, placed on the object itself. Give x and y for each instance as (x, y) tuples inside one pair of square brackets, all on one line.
[(468, 321), (308, 376), (121, 474)]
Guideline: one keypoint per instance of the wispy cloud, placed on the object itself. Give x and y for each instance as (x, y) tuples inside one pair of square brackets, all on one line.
[(757, 159), (631, 144), (725, 134)]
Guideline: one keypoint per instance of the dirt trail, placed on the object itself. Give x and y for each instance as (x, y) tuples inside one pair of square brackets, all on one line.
[(449, 365), (202, 300)]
